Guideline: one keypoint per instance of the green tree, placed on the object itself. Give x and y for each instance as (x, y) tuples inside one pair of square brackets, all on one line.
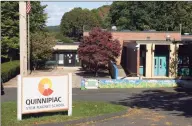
[(10, 26), (42, 47), (101, 15), (9, 29), (60, 38), (53, 28), (121, 15), (72, 22), (38, 17), (96, 15), (158, 15)]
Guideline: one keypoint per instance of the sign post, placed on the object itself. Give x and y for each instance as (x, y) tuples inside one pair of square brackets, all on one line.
[(39, 94), (70, 94), (19, 111), (23, 38), (23, 54)]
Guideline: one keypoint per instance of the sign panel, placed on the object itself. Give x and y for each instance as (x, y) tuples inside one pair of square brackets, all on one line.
[(45, 94), (91, 84)]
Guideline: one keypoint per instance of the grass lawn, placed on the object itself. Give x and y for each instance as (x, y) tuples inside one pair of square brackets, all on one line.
[(81, 109)]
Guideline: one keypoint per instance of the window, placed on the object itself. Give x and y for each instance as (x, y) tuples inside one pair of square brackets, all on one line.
[(61, 59)]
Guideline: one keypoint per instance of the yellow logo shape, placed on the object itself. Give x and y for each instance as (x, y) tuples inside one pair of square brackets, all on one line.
[(45, 86)]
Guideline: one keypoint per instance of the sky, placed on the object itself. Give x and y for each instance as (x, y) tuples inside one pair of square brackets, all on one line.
[(55, 10)]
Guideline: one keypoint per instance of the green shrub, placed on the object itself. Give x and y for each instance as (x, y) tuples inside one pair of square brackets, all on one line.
[(9, 70)]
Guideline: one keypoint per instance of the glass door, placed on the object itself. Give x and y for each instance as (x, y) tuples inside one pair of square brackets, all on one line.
[(61, 59)]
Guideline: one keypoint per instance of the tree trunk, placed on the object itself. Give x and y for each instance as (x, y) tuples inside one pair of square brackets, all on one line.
[(96, 70), (34, 66), (89, 65), (96, 74)]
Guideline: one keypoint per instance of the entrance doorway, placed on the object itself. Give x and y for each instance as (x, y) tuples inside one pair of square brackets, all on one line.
[(161, 60), (184, 60), (142, 60), (160, 65), (67, 58)]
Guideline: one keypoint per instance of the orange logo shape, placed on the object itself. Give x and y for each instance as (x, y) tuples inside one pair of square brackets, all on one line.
[(45, 87)]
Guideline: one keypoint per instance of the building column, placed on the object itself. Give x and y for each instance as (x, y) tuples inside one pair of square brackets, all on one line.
[(152, 59), (173, 60), (148, 60), (190, 60), (138, 60), (118, 61), (177, 58)]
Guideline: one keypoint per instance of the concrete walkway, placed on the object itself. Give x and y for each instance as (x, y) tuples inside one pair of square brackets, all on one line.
[(77, 75), (11, 83), (60, 71)]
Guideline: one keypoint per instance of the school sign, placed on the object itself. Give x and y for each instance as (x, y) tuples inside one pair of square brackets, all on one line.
[(44, 94)]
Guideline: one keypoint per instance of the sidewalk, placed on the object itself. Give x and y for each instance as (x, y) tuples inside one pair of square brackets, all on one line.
[(60, 71), (11, 83)]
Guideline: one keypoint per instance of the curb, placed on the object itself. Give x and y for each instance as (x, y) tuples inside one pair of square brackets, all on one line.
[(89, 119)]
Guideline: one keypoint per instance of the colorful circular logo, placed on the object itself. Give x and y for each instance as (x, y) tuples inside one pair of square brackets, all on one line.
[(45, 87)]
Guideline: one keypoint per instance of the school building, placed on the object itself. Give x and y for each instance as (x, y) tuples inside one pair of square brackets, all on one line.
[(154, 54), (65, 54)]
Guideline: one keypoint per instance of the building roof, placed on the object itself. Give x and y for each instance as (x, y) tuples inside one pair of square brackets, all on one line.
[(145, 31), (145, 35), (66, 46), (63, 43)]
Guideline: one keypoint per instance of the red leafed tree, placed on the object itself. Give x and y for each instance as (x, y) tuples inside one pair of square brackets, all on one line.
[(97, 49)]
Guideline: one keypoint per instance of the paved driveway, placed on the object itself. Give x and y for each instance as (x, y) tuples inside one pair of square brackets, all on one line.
[(108, 95), (149, 107)]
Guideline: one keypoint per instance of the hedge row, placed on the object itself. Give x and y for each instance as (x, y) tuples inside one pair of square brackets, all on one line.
[(9, 70)]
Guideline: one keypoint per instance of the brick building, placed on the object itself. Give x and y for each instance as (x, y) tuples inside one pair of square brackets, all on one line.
[(150, 54), (65, 54)]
